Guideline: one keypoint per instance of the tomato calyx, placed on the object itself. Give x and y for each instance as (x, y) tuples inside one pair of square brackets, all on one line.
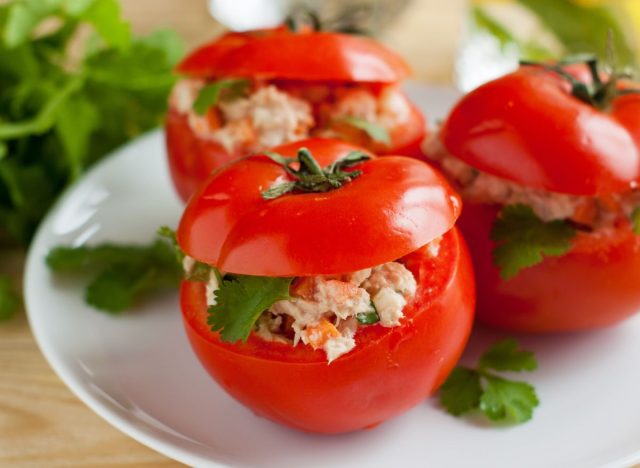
[(599, 92), (310, 177)]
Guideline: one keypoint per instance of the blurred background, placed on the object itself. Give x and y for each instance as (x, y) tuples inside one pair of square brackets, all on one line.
[(461, 41), (447, 42)]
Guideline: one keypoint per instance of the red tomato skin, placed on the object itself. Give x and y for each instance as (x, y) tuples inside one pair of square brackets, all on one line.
[(310, 56), (594, 285), (397, 205), (526, 127), (192, 158), (389, 372)]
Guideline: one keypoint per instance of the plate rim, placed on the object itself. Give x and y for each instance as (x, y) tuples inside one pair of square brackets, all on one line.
[(64, 373), (54, 360)]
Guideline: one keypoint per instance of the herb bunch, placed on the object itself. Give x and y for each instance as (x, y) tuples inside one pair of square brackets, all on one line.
[(65, 102)]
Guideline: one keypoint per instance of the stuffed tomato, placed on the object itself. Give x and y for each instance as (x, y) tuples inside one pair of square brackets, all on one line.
[(246, 92), (327, 290), (547, 161)]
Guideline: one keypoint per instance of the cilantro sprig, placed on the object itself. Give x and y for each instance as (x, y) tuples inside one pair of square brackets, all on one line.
[(375, 131), (240, 300), (523, 239), (229, 88), (499, 398), (123, 274), (66, 101), (310, 177), (9, 299)]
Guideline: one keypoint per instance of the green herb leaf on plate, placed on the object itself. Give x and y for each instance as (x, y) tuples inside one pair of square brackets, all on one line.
[(497, 397)]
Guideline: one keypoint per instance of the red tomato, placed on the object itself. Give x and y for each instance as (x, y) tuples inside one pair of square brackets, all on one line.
[(306, 56), (192, 158), (528, 128), (389, 371), (303, 59), (397, 205), (596, 284)]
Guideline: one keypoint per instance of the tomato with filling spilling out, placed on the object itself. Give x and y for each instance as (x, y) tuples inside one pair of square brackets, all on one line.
[(246, 92), (340, 293), (547, 160)]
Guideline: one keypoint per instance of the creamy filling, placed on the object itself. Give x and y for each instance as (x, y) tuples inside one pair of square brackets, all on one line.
[(271, 115), (324, 311), (594, 213)]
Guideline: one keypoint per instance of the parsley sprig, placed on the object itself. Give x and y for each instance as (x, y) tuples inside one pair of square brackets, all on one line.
[(240, 300), (310, 177), (523, 239), (9, 299), (69, 94), (123, 273), (499, 398), (375, 131), (227, 88)]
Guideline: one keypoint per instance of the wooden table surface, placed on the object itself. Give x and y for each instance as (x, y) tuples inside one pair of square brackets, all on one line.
[(41, 422)]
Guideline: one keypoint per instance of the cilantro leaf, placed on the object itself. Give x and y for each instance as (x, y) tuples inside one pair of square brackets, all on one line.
[(499, 398), (461, 392), (199, 271), (506, 355), (212, 93), (9, 299), (635, 221), (523, 239), (125, 272), (374, 131), (239, 302), (506, 399), (61, 111)]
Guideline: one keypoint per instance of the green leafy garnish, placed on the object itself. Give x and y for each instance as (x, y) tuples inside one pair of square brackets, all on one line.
[(310, 177), (635, 221), (199, 271), (240, 301), (374, 131), (66, 101), (523, 239), (583, 28), (125, 273), (368, 318), (9, 299), (499, 398), (222, 89)]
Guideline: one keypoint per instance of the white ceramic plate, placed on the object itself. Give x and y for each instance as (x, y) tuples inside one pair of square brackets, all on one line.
[(137, 370)]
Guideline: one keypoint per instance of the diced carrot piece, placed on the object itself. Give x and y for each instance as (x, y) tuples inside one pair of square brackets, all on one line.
[(320, 333)]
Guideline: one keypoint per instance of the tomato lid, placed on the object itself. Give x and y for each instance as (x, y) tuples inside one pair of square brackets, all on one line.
[(394, 207), (527, 127), (306, 56)]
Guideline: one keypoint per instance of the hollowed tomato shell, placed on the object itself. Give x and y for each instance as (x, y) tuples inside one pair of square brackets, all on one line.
[(390, 370), (594, 285)]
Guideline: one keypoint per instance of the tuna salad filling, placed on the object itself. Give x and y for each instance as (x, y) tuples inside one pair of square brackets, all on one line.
[(269, 114), (588, 213), (325, 312)]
